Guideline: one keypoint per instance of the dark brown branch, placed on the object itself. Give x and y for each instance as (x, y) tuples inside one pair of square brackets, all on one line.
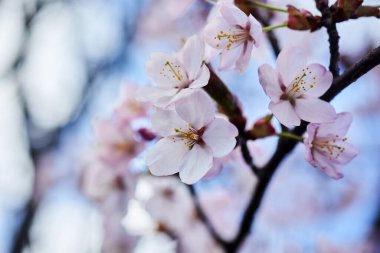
[(332, 32), (368, 62), (229, 105)]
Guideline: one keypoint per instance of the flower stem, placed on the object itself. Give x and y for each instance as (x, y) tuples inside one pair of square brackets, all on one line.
[(212, 1), (272, 27), (266, 6), (290, 136)]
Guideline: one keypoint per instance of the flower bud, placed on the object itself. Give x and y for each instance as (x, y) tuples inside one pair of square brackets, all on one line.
[(300, 19), (146, 134), (262, 128), (348, 7)]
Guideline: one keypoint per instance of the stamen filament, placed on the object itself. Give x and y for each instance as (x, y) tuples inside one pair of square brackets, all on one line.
[(178, 75), (268, 7), (270, 28), (290, 136)]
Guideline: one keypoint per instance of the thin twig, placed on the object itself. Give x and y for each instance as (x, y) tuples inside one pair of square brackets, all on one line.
[(203, 217)]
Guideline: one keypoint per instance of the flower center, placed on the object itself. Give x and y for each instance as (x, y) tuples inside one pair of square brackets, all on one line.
[(233, 37), (300, 85), (329, 147), (190, 137), (171, 70)]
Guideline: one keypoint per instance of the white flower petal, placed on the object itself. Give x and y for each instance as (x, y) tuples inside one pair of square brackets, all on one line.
[(284, 112), (211, 32), (233, 15), (314, 110), (269, 80), (165, 121), (202, 78), (220, 137), (290, 62), (166, 70), (256, 30), (192, 55), (196, 164), (151, 93), (166, 157), (229, 58), (243, 62), (197, 109)]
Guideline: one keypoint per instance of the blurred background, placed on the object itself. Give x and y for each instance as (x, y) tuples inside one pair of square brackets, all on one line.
[(70, 68)]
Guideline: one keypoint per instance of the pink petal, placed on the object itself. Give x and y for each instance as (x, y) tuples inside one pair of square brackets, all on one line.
[(234, 16), (256, 30), (166, 157), (316, 80), (243, 62), (290, 62), (165, 121), (196, 164), (220, 137), (202, 78), (284, 112), (105, 131), (229, 58), (308, 150), (191, 56), (162, 73), (349, 152), (338, 127), (269, 80), (197, 109), (180, 95), (326, 166), (314, 110), (311, 132)]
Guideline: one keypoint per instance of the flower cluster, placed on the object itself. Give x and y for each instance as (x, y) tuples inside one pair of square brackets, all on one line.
[(192, 136)]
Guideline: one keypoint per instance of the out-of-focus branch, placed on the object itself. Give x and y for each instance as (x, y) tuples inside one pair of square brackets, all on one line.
[(21, 238), (203, 217)]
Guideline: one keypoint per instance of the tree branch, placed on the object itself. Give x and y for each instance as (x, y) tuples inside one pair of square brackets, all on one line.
[(229, 105), (285, 146), (327, 21), (203, 217)]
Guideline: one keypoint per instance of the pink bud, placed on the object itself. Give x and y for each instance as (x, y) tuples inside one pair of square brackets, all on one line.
[(146, 134)]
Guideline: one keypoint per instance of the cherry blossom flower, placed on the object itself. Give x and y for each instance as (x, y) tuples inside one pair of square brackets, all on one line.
[(116, 142), (327, 147), (295, 87), (192, 136), (234, 34), (176, 75)]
